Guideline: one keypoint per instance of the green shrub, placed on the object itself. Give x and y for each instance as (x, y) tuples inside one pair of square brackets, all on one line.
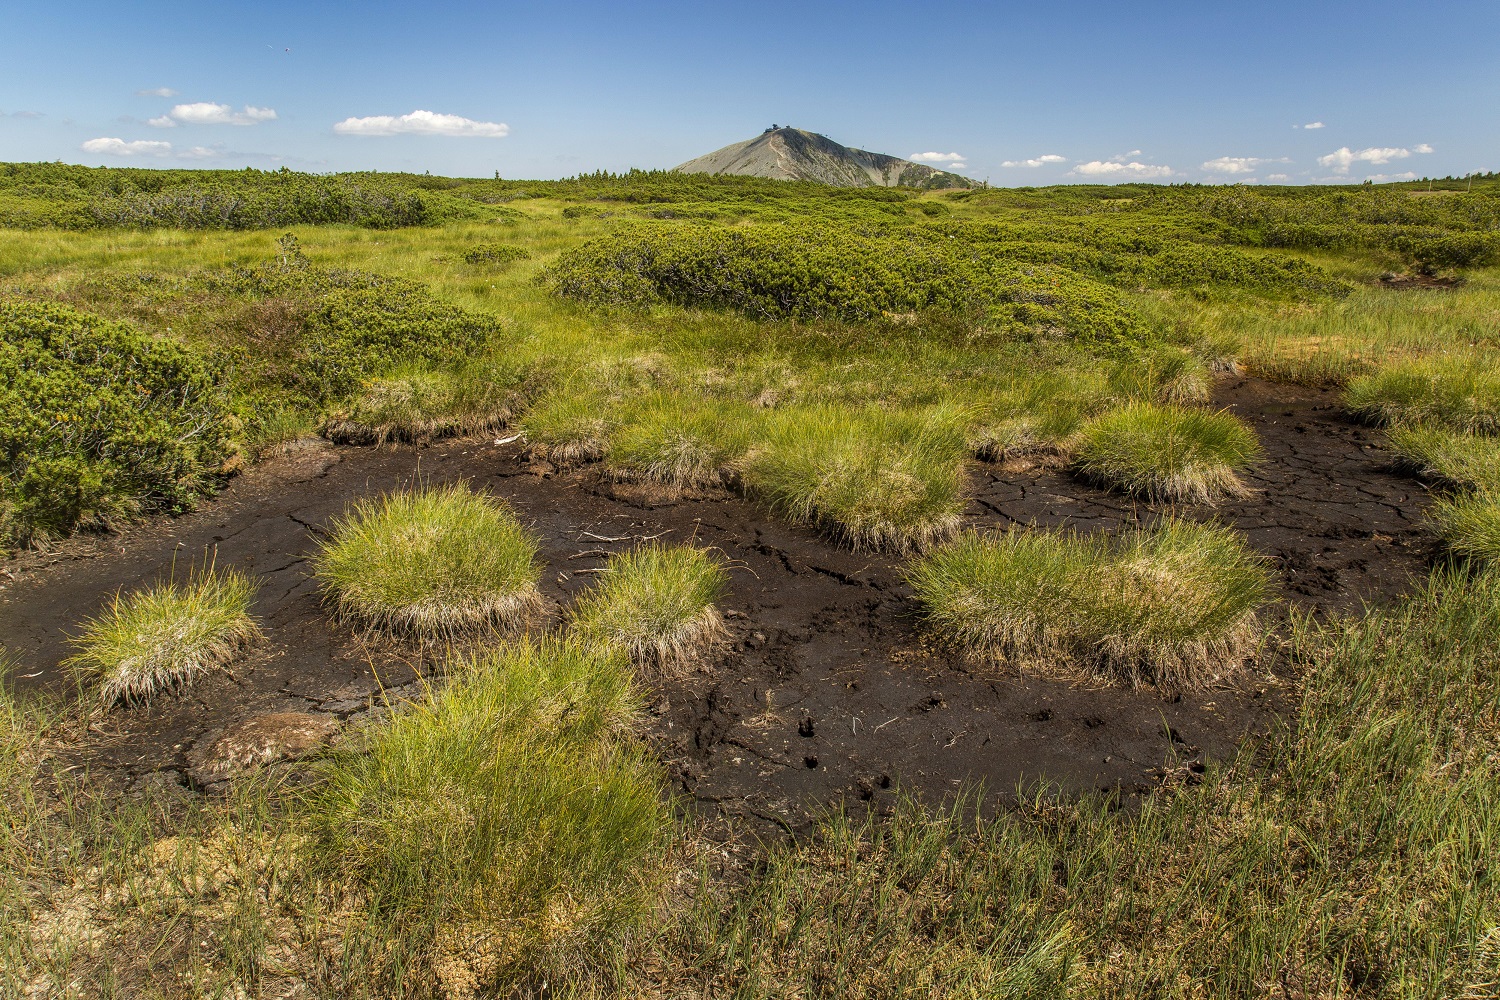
[(163, 637), (101, 422), (1464, 460), (657, 603), (506, 814), (439, 563), (1456, 392), (1174, 606), (874, 479), (1167, 452), (822, 272), (493, 254), (1470, 524)]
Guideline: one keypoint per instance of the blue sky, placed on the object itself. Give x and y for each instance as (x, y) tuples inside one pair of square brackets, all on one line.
[(1020, 93)]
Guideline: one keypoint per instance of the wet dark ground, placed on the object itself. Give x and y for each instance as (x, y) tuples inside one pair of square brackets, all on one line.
[(830, 691)]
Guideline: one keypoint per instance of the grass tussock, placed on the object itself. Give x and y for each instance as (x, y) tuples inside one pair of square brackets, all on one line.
[(504, 818), (163, 637), (1168, 453), (1460, 393), (657, 603), (1174, 606), (418, 404), (1470, 524), (1466, 461), (680, 441), (438, 563), (874, 479)]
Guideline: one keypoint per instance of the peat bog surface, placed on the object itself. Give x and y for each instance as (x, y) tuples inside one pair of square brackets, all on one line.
[(830, 691)]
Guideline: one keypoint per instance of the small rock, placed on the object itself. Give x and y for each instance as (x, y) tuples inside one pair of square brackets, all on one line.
[(255, 742)]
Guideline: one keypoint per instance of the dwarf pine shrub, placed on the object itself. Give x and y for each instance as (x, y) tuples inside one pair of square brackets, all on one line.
[(101, 423)]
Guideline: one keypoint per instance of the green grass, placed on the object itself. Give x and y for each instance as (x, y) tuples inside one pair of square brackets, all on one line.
[(165, 636), (873, 479), (1168, 453), (1470, 524), (506, 815), (679, 441), (420, 403), (437, 563), (1174, 606), (657, 603), (1466, 461), (1461, 393)]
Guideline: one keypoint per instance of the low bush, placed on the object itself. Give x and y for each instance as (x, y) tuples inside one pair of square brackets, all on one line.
[(502, 817), (439, 563), (1467, 461), (101, 422), (1461, 393), (828, 272), (493, 254), (657, 603), (163, 637), (874, 479), (1174, 606), (1167, 453), (1469, 524), (418, 403), (679, 440)]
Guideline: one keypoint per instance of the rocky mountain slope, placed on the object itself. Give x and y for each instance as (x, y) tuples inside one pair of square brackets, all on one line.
[(791, 154)]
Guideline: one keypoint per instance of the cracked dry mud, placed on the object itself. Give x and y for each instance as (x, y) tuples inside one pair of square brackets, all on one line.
[(830, 690)]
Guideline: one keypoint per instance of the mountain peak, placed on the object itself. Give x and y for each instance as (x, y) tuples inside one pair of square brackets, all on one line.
[(782, 152)]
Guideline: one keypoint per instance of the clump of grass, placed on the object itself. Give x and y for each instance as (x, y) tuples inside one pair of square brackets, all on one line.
[(1174, 606), (1464, 460), (875, 479), (419, 403), (1456, 392), (438, 563), (165, 636), (657, 603), (568, 428), (510, 810), (1168, 453), (679, 441), (1470, 524)]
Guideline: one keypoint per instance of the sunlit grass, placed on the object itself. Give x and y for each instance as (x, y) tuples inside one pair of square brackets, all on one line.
[(1468, 461), (1459, 392), (657, 603), (1168, 453), (434, 563), (874, 479), (507, 813), (1470, 524), (165, 636), (1174, 606)]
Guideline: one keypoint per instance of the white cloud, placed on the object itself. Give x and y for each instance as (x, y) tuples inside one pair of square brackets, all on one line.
[(1279, 178), (1343, 158), (1238, 164), (22, 114), (1409, 175), (938, 157), (1036, 161), (421, 123), (157, 92), (119, 147), (1116, 168), (1311, 125), (208, 113)]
